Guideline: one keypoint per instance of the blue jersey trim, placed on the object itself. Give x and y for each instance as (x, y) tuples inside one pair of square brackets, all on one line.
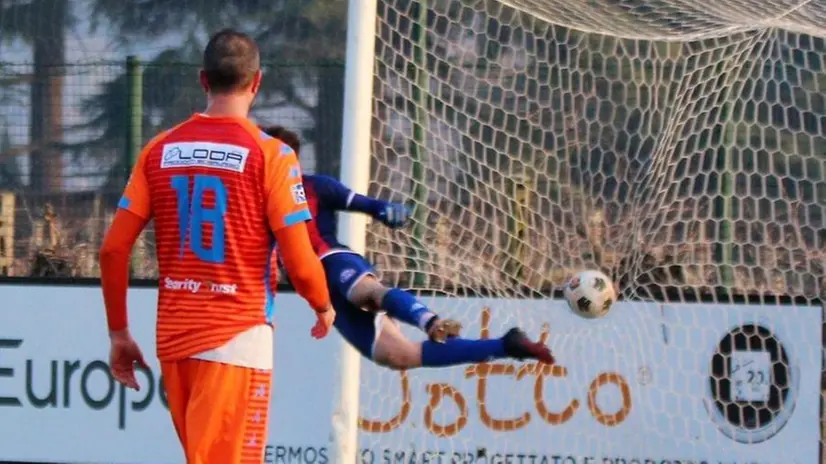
[(269, 305), (124, 203), (296, 217)]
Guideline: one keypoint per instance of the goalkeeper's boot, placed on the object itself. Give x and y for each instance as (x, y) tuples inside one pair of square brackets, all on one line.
[(439, 330), (519, 346)]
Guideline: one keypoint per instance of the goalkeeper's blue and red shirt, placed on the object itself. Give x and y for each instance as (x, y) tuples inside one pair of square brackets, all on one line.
[(325, 196)]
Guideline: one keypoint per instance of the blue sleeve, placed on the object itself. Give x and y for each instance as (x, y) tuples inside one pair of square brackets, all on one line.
[(331, 194), (334, 195)]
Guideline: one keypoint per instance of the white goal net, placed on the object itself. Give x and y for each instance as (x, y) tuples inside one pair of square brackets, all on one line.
[(679, 146)]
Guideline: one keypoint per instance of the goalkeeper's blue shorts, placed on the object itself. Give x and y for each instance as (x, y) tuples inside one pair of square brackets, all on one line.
[(344, 269)]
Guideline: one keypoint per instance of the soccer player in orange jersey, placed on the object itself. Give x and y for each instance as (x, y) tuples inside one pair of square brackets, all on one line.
[(221, 193)]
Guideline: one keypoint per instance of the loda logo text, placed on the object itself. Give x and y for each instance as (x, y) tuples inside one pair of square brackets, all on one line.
[(204, 154)]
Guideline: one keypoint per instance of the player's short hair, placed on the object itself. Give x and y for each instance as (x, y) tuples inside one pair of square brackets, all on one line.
[(287, 136), (231, 60)]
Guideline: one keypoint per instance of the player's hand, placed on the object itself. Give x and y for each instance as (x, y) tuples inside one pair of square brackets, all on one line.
[(123, 356), (323, 324), (394, 215)]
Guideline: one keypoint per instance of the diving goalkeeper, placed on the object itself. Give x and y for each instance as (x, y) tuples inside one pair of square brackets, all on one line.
[(353, 285)]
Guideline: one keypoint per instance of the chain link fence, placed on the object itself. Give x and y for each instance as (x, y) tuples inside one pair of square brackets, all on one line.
[(71, 133)]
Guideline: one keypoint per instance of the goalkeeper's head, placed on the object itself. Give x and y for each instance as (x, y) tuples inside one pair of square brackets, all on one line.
[(287, 136)]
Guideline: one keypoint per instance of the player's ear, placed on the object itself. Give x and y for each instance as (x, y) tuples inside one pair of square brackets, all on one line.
[(202, 76), (204, 81), (256, 82)]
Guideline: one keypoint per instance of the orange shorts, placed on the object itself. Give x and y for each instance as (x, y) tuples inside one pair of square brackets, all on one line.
[(220, 411)]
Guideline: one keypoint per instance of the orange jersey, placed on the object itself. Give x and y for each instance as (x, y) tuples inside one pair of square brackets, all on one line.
[(216, 188)]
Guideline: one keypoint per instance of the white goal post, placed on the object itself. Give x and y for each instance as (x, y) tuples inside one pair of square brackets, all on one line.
[(355, 172), (679, 146)]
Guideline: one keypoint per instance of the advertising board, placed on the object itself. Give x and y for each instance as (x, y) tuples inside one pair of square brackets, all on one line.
[(649, 383)]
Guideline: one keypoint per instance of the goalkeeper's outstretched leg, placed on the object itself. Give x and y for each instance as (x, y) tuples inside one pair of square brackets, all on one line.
[(395, 351), (366, 312)]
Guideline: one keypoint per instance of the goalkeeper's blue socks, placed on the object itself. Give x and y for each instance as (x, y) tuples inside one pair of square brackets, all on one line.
[(514, 344), (404, 307), (461, 351)]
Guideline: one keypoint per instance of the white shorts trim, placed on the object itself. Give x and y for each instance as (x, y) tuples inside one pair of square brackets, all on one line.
[(378, 324), (335, 251), (252, 348), (356, 282)]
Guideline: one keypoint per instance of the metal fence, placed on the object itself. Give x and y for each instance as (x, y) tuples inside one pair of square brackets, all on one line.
[(70, 134)]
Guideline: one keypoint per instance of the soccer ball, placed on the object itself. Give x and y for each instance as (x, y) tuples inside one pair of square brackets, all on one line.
[(590, 294)]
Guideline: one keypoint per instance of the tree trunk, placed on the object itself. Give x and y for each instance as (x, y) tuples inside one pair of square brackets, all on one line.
[(328, 119), (49, 48)]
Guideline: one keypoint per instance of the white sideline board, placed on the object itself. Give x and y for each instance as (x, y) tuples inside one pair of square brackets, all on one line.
[(633, 387)]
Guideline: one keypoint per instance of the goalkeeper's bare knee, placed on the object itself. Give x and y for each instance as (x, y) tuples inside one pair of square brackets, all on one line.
[(394, 351), (368, 293)]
